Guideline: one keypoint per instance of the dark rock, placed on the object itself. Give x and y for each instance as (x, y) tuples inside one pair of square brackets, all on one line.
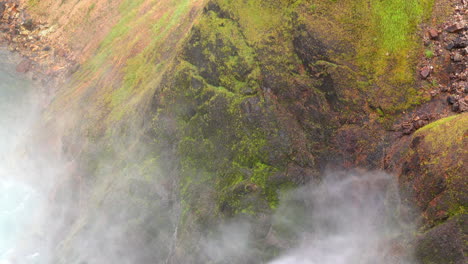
[(407, 128), (24, 66), (2, 8), (456, 27), (420, 123), (309, 49), (425, 72), (29, 25), (456, 107), (444, 243), (458, 43), (46, 48), (433, 34), (416, 141), (451, 99)]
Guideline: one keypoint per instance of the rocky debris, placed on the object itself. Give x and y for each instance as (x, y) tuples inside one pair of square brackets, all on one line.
[(446, 68), (415, 123), (458, 43), (44, 57)]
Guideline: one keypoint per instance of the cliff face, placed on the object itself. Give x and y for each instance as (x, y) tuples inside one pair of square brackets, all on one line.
[(205, 110), (432, 176)]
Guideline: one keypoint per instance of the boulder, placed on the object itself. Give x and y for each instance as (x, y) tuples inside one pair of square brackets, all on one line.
[(456, 27), (433, 33), (431, 168)]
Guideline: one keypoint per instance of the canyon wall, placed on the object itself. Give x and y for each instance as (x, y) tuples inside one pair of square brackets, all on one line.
[(186, 113)]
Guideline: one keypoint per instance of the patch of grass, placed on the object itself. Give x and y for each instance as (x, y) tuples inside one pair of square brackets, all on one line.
[(429, 53)]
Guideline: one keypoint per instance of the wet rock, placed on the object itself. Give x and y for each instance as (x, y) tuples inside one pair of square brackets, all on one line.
[(433, 33), (24, 66), (451, 99), (456, 27), (425, 72)]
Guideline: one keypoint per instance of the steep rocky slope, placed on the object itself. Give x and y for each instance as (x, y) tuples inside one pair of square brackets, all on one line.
[(190, 113)]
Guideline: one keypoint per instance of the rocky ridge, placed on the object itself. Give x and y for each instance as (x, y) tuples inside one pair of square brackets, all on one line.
[(43, 58)]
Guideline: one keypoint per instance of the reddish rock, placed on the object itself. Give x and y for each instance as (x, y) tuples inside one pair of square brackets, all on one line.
[(425, 72), (433, 33), (24, 66)]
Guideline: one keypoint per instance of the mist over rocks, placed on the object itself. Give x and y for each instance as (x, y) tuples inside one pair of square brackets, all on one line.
[(229, 131), (350, 217)]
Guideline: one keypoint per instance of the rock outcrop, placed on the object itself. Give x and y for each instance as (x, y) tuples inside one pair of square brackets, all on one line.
[(219, 105), (432, 171)]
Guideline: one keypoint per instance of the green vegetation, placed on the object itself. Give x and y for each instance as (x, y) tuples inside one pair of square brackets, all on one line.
[(234, 102), (386, 48), (429, 54), (126, 73), (444, 141)]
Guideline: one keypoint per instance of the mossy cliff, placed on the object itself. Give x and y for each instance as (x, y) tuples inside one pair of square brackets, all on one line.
[(432, 177), (224, 104)]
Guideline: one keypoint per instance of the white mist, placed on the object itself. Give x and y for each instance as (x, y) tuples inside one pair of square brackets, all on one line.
[(19, 203), (352, 218)]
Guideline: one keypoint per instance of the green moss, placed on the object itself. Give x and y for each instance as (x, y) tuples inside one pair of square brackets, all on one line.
[(453, 129), (386, 48), (441, 151)]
